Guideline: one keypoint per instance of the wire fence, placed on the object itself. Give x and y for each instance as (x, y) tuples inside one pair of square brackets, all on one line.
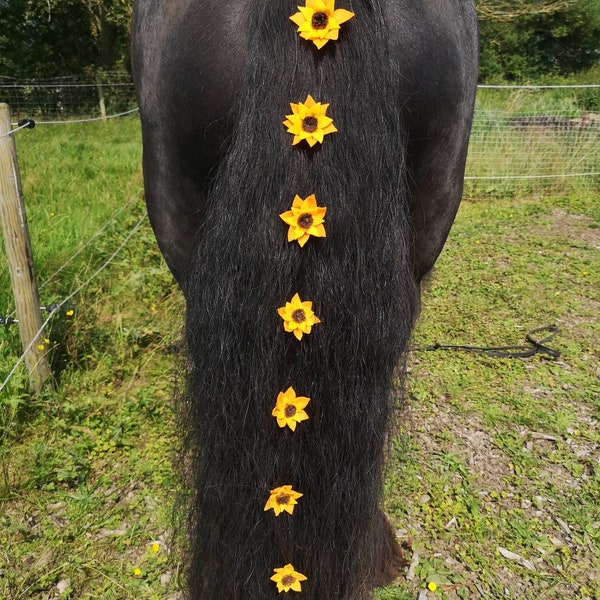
[(68, 97), (534, 138), (524, 138), (57, 307)]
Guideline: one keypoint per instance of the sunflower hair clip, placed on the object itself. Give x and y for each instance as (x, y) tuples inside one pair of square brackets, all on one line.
[(319, 21), (309, 122)]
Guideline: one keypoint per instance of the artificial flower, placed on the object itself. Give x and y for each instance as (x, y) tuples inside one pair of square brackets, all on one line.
[(282, 499), (309, 122), (305, 218), (288, 579), (298, 317), (289, 409), (319, 21)]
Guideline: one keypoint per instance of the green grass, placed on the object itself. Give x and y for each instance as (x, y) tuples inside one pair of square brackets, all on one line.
[(491, 455)]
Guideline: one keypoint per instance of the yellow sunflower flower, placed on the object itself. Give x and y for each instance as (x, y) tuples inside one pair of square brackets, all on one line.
[(309, 122), (282, 499), (298, 317), (319, 21), (289, 409), (305, 218), (288, 579)]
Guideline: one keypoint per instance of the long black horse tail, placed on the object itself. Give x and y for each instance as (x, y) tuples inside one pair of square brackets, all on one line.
[(360, 281)]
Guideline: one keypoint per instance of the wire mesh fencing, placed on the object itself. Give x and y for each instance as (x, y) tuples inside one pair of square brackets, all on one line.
[(532, 139), (68, 97), (525, 139)]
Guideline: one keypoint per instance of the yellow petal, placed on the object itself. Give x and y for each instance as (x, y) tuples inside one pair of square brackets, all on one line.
[(310, 201), (323, 122), (298, 18), (320, 231), (319, 43), (342, 15), (302, 239)]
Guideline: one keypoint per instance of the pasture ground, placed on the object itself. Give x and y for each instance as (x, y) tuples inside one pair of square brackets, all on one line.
[(493, 476)]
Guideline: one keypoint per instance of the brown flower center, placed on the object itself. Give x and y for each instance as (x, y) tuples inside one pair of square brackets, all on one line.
[(288, 580), (310, 124), (319, 20), (290, 410), (305, 220), (299, 315), (283, 499)]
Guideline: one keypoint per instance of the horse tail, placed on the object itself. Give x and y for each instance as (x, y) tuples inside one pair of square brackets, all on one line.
[(359, 278)]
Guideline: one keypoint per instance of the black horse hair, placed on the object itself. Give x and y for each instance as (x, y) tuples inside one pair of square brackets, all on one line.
[(360, 280)]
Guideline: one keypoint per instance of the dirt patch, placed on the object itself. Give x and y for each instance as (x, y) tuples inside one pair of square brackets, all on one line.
[(563, 225)]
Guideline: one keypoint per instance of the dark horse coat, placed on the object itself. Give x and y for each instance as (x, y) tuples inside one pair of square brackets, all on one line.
[(215, 79)]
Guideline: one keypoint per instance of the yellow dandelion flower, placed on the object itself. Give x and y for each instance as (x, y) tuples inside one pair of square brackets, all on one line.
[(289, 409), (283, 498), (305, 218), (432, 586), (70, 313), (155, 547), (319, 21), (288, 579), (137, 572), (40, 347), (309, 122), (298, 317)]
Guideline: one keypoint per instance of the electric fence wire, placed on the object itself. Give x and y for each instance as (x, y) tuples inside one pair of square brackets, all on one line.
[(90, 120), (98, 233), (60, 305)]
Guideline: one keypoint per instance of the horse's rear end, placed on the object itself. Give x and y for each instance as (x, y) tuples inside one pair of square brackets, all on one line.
[(215, 81)]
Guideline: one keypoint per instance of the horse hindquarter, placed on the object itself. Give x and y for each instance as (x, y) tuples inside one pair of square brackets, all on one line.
[(231, 177)]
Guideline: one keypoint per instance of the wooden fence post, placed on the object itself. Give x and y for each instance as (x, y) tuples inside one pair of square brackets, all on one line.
[(20, 257), (100, 89)]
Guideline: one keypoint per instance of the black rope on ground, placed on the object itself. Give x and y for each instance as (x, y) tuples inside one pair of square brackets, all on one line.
[(535, 346)]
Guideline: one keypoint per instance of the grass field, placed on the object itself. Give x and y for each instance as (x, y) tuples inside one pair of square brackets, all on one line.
[(493, 474)]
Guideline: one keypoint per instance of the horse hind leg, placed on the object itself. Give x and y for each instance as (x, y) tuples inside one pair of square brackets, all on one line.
[(391, 559)]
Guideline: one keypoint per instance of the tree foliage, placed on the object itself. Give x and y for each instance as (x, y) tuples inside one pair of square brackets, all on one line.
[(47, 38), (560, 40)]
